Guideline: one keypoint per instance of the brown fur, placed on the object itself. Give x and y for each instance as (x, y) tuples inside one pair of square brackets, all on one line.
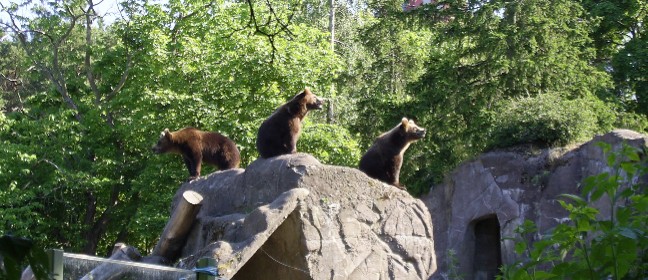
[(279, 133), (197, 146), (384, 158)]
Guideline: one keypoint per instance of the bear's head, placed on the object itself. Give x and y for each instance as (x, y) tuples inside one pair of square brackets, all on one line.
[(164, 144), (307, 100), (412, 131)]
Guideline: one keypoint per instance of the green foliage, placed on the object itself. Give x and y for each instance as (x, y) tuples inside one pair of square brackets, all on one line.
[(594, 245), (331, 144), (397, 58), (453, 266), (76, 158), (16, 253), (488, 52), (614, 21), (630, 71), (549, 120), (620, 37), (79, 114), (633, 121)]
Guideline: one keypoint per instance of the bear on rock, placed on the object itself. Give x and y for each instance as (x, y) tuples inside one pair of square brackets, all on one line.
[(279, 133), (384, 158), (197, 146)]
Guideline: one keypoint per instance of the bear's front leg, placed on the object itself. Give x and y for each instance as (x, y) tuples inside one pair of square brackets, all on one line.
[(193, 161)]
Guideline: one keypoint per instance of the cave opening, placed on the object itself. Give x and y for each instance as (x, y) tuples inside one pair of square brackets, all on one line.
[(487, 254)]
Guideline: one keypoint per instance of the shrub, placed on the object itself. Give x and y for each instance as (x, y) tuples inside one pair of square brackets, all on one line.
[(548, 120), (634, 121)]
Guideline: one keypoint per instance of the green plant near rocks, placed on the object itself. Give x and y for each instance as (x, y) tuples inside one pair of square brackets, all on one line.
[(549, 120), (453, 266), (590, 246)]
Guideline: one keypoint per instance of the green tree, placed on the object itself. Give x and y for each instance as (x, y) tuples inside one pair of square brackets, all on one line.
[(60, 163), (619, 35), (630, 71), (487, 52), (77, 157)]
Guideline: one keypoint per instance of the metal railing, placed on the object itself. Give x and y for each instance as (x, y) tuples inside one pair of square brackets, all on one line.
[(68, 266)]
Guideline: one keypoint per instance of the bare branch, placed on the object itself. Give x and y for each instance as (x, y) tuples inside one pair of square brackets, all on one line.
[(89, 73), (283, 27), (124, 77), (180, 20), (54, 73), (273, 22), (73, 22), (15, 81)]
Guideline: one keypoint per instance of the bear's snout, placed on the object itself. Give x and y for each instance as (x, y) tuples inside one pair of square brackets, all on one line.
[(319, 103)]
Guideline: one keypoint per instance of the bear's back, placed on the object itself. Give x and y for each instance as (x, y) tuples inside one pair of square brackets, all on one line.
[(219, 150)]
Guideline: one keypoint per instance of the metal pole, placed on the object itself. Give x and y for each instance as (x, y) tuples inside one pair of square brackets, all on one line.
[(204, 263), (332, 23), (55, 263), (330, 117)]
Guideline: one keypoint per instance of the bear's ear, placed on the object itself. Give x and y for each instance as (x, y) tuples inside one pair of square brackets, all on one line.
[(404, 122), (305, 92), (301, 95), (166, 133)]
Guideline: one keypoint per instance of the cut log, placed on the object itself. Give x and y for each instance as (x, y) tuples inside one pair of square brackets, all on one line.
[(175, 232), (109, 271)]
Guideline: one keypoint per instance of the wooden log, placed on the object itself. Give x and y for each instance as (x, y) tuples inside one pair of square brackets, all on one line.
[(110, 271), (28, 274), (168, 247), (174, 235)]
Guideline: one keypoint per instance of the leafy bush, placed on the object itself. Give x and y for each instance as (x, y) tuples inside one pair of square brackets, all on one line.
[(588, 246), (549, 120), (634, 121), (331, 144)]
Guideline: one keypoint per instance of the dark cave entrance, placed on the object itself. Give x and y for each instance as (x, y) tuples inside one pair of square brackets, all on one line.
[(280, 257), (487, 254)]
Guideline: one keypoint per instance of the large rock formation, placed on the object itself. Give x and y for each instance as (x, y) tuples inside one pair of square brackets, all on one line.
[(486, 199), (291, 217)]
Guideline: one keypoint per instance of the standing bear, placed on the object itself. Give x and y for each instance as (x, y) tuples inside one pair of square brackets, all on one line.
[(278, 134), (384, 158), (195, 146)]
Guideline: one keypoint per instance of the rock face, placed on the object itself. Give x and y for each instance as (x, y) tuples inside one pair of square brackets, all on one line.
[(484, 200), (291, 217)]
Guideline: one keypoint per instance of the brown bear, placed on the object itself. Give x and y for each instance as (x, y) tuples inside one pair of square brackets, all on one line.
[(195, 146), (278, 134), (384, 158)]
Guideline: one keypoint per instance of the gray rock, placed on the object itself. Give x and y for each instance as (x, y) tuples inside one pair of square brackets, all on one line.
[(291, 217), (486, 199)]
